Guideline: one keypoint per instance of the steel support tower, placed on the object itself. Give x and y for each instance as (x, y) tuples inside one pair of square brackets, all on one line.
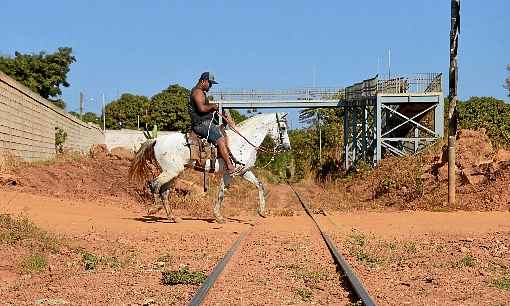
[(382, 117)]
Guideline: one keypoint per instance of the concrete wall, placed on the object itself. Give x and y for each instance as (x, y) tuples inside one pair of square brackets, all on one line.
[(129, 139), (28, 121)]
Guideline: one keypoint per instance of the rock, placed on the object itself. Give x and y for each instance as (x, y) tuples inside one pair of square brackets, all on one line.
[(476, 179), (502, 156), (426, 176), (160, 264), (122, 153), (7, 180), (464, 249), (443, 172), (473, 147), (429, 279), (148, 302), (467, 240), (99, 151), (50, 301)]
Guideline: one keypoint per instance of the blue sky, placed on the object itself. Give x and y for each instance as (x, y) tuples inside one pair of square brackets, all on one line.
[(143, 46)]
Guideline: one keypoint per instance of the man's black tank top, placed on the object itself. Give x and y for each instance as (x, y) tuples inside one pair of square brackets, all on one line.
[(198, 117)]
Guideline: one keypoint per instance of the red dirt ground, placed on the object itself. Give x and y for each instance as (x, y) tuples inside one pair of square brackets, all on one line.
[(404, 257)]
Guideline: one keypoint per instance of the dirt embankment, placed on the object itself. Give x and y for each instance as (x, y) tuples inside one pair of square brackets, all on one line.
[(413, 182), (112, 255), (102, 176), (421, 181)]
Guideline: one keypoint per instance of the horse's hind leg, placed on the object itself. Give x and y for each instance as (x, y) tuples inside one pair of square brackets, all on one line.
[(154, 194), (164, 193), (156, 184), (250, 177)]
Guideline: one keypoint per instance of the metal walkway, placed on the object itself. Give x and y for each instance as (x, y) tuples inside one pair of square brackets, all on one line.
[(393, 116)]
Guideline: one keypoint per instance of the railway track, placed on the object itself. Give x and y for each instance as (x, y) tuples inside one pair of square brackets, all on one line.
[(351, 278), (248, 239)]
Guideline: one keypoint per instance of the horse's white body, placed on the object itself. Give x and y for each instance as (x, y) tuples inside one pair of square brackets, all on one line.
[(172, 154)]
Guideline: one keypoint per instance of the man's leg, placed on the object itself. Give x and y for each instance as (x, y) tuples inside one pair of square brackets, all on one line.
[(222, 148)]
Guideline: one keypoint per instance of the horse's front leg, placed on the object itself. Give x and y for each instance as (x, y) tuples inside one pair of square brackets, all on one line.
[(250, 177), (221, 195), (224, 183), (217, 204)]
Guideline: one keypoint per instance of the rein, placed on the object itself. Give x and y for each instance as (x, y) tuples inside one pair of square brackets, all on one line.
[(249, 142)]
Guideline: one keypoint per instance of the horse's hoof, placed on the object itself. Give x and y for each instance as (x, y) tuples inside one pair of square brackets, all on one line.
[(175, 219), (220, 220), (261, 213), (153, 211)]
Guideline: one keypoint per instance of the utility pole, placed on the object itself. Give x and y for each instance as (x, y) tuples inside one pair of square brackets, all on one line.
[(389, 64), (81, 105), (452, 98), (378, 64), (317, 113), (320, 136), (104, 116)]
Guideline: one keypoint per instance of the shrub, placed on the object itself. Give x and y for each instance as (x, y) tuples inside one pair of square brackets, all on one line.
[(60, 139), (183, 276), (489, 113), (33, 263)]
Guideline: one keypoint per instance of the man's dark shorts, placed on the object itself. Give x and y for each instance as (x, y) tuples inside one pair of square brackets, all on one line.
[(203, 130)]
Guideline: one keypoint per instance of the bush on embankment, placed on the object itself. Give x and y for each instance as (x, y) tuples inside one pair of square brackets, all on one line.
[(488, 113)]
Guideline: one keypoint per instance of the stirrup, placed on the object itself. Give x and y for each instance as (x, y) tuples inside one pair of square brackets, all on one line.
[(233, 171)]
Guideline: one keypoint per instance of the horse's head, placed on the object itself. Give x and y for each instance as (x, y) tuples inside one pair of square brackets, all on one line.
[(278, 132)]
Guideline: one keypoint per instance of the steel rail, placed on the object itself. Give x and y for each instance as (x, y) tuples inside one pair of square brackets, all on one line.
[(200, 295), (351, 277)]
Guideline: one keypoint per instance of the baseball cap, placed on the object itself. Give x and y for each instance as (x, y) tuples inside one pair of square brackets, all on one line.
[(208, 76)]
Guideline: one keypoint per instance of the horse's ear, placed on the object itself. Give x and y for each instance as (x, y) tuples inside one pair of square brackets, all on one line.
[(284, 116)]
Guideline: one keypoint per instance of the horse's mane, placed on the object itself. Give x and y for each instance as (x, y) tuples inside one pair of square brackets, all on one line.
[(253, 120)]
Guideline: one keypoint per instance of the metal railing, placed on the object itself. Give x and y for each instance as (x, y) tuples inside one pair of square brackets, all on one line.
[(306, 93), (415, 83), (366, 89)]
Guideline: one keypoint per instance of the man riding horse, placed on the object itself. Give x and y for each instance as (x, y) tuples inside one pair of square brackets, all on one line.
[(202, 118)]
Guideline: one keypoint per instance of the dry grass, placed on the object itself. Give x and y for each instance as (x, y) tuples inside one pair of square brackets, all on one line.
[(22, 231), (9, 162)]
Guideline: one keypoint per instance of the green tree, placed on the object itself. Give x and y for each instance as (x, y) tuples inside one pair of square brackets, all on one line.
[(237, 116), (507, 85), (125, 111), (169, 109), (489, 113), (77, 115), (43, 73), (91, 117), (58, 103)]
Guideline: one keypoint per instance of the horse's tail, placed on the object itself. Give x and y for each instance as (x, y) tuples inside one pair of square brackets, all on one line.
[(140, 166)]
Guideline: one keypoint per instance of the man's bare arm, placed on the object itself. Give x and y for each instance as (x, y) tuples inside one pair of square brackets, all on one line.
[(202, 107)]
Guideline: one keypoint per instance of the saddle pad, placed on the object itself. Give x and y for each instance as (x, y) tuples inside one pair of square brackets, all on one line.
[(200, 150)]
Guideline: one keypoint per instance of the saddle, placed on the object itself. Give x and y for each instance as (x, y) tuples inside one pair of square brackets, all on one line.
[(200, 152)]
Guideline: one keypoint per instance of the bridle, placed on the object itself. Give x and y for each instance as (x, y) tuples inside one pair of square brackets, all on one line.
[(277, 148)]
